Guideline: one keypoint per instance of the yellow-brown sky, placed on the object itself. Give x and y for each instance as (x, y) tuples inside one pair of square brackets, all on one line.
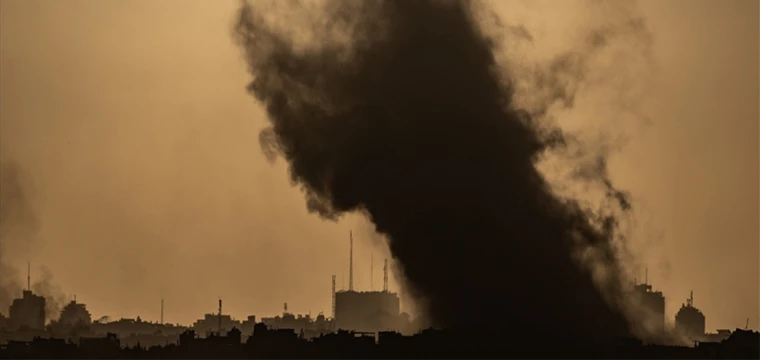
[(131, 116)]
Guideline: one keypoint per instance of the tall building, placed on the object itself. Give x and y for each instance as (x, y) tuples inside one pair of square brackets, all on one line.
[(690, 321), (652, 307), (365, 311), (369, 311), (29, 312)]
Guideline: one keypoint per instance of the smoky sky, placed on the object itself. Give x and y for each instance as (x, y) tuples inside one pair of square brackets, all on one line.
[(19, 225), (409, 119)]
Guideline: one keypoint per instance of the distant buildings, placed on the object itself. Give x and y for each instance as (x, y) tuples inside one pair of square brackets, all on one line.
[(369, 311), (75, 314), (365, 311), (286, 344), (215, 323), (134, 331), (690, 321), (652, 307), (718, 336), (353, 311), (304, 324), (27, 312)]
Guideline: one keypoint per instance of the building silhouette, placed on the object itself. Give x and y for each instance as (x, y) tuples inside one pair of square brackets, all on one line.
[(367, 311), (690, 321), (305, 324), (652, 308), (27, 312), (75, 313), (266, 343), (215, 323)]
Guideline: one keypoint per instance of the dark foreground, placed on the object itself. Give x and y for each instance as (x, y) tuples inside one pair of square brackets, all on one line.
[(427, 344)]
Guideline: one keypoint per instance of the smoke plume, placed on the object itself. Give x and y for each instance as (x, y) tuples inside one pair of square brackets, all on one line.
[(18, 235), (55, 299), (18, 226), (401, 111)]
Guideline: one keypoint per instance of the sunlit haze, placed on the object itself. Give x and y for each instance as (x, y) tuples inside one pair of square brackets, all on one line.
[(132, 121)]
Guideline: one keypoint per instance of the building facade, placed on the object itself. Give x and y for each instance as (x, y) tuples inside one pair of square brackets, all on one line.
[(27, 312), (369, 311)]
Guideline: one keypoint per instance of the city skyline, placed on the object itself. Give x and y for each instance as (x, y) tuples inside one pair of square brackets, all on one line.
[(150, 184)]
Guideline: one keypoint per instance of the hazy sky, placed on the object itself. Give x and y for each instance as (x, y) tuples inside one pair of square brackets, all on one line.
[(132, 119)]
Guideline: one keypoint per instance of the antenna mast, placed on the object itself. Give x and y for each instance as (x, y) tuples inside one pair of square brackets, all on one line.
[(29, 275), (646, 275), (385, 276), (220, 317), (351, 261), (333, 296), (162, 311)]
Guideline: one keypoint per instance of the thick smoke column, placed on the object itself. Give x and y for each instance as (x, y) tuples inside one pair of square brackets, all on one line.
[(400, 111)]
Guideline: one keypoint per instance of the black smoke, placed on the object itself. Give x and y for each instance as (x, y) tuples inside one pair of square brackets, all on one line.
[(409, 119)]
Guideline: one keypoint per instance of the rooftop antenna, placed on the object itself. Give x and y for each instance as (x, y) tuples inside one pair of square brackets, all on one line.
[(75, 298), (162, 311), (646, 275), (385, 276), (286, 308), (29, 275), (351, 261), (333, 296), (371, 272), (746, 325), (690, 301), (220, 317)]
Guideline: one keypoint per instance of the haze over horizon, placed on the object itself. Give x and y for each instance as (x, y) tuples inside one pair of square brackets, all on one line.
[(131, 119)]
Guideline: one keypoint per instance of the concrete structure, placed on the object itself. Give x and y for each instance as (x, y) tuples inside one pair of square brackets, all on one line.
[(652, 306), (27, 312), (212, 323), (690, 321), (74, 314), (369, 311), (304, 325), (718, 336)]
